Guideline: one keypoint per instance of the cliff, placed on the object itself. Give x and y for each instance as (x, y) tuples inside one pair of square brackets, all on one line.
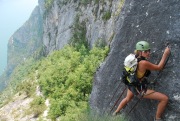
[(60, 19), (154, 21)]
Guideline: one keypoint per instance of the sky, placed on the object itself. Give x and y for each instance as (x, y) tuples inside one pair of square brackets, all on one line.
[(13, 14)]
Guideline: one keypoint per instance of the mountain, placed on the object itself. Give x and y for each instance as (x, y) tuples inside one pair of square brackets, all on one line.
[(116, 23), (25, 41)]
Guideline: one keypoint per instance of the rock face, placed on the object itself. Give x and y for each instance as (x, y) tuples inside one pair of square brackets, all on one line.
[(158, 22), (59, 21)]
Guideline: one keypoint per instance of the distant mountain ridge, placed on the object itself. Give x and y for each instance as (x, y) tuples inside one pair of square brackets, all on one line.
[(25, 41)]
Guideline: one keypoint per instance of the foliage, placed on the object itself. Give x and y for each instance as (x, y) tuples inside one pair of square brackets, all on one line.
[(21, 80), (48, 4), (100, 43), (27, 86), (3, 79), (23, 72), (96, 1), (106, 16), (66, 78), (85, 2), (37, 106), (79, 34)]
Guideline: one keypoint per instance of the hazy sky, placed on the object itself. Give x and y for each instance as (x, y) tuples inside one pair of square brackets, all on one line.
[(13, 14)]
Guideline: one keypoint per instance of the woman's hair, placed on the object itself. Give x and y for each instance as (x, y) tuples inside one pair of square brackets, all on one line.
[(137, 53)]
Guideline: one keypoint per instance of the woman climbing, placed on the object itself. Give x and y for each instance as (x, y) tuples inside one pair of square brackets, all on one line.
[(143, 70)]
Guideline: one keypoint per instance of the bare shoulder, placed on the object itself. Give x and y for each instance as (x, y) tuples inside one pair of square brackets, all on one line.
[(148, 65), (144, 62)]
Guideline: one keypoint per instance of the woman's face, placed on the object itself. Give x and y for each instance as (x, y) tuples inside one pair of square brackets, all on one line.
[(146, 53)]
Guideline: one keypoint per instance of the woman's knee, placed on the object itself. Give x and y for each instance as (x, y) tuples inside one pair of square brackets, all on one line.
[(165, 98)]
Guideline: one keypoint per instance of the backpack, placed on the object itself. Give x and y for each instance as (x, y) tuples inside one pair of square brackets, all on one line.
[(129, 76), (129, 71)]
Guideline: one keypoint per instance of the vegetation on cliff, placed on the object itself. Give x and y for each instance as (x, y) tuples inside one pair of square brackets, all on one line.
[(64, 77)]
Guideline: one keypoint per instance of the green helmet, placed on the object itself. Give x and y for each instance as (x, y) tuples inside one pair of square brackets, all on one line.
[(142, 45)]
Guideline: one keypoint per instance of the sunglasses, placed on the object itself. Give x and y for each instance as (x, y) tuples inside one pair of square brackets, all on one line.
[(146, 51)]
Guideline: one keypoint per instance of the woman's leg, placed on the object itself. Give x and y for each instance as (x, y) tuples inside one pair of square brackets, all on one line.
[(128, 97), (162, 98)]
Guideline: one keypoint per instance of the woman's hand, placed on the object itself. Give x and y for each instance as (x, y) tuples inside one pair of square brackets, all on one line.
[(167, 51)]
